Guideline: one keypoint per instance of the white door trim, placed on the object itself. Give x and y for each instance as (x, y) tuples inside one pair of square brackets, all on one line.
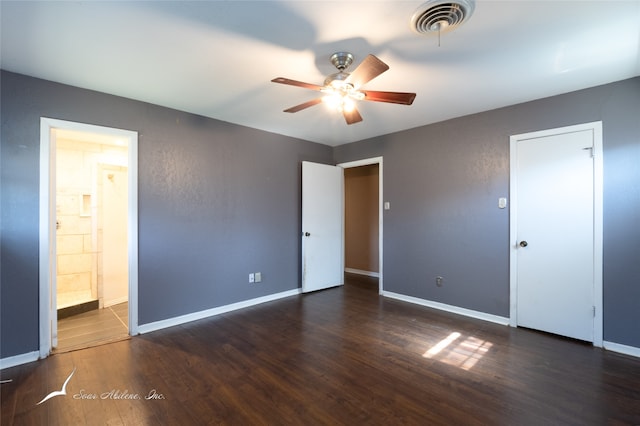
[(367, 162), (596, 127), (48, 221)]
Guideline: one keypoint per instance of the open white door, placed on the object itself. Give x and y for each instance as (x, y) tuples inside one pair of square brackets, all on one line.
[(322, 226)]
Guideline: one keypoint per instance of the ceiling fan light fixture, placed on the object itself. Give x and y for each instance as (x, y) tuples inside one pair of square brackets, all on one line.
[(337, 102), (341, 98), (340, 94), (333, 101), (341, 90), (437, 16)]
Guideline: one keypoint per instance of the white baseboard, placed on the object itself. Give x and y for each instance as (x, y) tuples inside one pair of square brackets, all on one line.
[(361, 272), (623, 349), (159, 325), (449, 308), (12, 361)]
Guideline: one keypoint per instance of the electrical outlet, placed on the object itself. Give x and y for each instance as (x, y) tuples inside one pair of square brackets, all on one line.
[(252, 278), (439, 281), (258, 277)]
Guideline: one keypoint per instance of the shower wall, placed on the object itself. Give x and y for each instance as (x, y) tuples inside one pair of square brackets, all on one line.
[(78, 246)]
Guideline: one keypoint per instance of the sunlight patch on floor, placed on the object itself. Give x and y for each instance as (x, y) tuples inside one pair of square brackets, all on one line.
[(464, 354), (441, 345)]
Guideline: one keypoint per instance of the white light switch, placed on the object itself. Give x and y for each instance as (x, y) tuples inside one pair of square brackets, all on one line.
[(387, 205), (502, 202)]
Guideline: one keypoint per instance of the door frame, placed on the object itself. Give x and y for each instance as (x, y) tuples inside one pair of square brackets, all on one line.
[(367, 162), (596, 128), (47, 223)]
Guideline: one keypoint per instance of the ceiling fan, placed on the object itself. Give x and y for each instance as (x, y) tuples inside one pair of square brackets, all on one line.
[(342, 89)]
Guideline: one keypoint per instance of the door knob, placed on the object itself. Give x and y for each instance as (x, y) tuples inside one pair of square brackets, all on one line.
[(523, 243), (306, 234)]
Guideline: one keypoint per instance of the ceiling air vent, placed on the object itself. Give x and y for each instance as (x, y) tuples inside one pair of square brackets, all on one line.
[(435, 17)]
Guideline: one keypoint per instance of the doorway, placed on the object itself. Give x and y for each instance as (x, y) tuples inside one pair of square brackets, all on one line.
[(361, 224), (556, 231), (363, 220), (88, 235), (323, 220)]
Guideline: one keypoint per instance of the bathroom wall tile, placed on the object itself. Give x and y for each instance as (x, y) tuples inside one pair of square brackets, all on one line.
[(67, 204), (87, 243), (69, 244), (74, 263), (84, 225), (68, 225), (73, 282), (68, 159), (67, 144), (71, 298)]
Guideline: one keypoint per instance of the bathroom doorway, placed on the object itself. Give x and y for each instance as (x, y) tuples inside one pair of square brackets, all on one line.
[(92, 235)]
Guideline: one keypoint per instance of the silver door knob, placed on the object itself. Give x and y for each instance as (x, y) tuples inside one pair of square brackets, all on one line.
[(523, 243)]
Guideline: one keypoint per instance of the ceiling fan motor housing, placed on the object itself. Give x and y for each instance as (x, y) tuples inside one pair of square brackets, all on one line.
[(341, 60), (438, 16)]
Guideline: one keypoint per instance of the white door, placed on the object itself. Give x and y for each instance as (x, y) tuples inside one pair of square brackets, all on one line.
[(115, 257), (322, 226), (554, 235)]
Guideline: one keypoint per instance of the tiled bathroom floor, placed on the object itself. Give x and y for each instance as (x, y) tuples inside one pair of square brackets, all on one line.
[(93, 328)]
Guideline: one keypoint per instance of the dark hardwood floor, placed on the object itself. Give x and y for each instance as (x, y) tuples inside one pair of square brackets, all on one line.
[(339, 356)]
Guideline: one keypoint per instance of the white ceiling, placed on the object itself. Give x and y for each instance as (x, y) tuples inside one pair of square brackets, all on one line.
[(216, 58)]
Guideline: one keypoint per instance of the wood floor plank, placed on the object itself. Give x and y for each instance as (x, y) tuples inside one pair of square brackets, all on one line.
[(339, 356)]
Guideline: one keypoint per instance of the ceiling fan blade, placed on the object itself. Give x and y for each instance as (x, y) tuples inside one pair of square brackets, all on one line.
[(304, 105), (368, 69), (352, 116), (390, 97), (290, 82)]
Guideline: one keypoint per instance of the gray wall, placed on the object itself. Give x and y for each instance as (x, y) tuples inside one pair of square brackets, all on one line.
[(216, 202), (443, 182), (215, 199)]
